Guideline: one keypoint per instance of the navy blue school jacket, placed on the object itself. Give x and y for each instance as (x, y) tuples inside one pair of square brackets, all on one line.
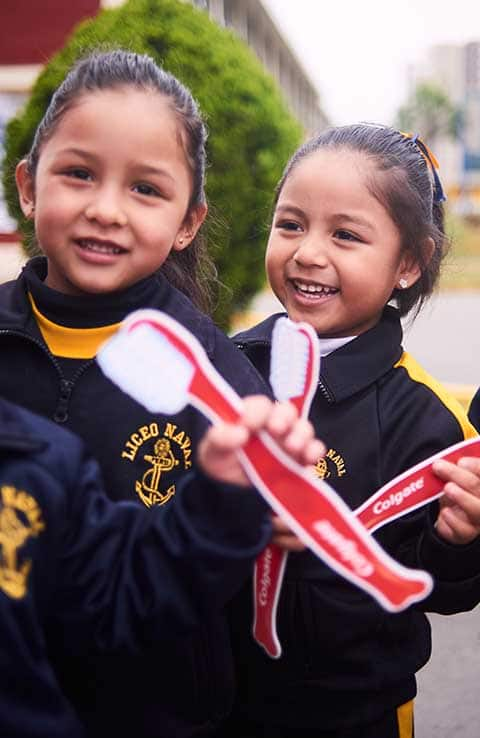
[(110, 574), (345, 660), (474, 410), (185, 687)]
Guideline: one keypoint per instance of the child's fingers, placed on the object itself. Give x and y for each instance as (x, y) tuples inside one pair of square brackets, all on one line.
[(468, 503), (295, 435), (472, 463), (288, 542), (223, 438), (459, 517), (257, 410), (283, 537), (455, 527), (465, 474), (217, 453)]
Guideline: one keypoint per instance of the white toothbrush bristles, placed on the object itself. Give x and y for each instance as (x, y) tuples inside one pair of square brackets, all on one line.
[(144, 364), (289, 360)]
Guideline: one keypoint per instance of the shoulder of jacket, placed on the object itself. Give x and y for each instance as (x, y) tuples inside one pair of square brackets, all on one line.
[(417, 378)]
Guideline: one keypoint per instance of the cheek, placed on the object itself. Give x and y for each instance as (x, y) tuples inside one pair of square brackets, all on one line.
[(271, 262)]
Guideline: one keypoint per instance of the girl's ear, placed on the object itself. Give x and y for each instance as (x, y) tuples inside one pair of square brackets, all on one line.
[(194, 219), (410, 270), (25, 189)]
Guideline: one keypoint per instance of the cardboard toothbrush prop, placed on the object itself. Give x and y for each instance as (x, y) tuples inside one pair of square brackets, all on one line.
[(294, 371), (314, 511)]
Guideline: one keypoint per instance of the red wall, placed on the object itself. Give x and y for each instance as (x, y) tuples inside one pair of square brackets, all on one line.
[(32, 30)]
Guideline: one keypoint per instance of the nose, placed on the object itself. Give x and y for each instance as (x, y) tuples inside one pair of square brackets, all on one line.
[(311, 252), (105, 208)]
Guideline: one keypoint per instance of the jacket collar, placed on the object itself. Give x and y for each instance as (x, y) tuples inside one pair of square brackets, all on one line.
[(154, 292), (88, 311), (352, 367)]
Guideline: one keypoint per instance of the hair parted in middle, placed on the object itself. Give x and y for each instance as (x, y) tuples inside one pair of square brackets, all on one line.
[(191, 270)]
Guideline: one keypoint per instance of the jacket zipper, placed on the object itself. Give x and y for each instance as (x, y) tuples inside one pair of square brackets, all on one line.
[(322, 387), (66, 389), (66, 385)]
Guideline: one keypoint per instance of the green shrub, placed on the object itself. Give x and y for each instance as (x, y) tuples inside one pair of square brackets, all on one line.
[(251, 132)]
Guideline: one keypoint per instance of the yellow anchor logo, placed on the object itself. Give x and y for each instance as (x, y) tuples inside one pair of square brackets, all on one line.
[(162, 461)]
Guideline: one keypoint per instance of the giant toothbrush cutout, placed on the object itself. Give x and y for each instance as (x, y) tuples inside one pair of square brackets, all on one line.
[(295, 380), (294, 371), (314, 511)]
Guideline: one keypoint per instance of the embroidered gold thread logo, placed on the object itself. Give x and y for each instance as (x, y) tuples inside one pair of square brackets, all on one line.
[(171, 449), (332, 464), (20, 519)]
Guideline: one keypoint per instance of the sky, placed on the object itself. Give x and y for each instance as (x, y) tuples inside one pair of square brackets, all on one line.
[(358, 52)]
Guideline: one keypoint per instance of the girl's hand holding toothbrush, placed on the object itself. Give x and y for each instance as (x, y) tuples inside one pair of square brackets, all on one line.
[(284, 538), (217, 453), (459, 519)]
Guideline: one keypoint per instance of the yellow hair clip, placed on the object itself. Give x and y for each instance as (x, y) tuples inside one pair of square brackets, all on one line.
[(431, 159)]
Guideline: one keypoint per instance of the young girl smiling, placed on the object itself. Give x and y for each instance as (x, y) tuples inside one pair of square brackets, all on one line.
[(358, 223), (114, 183)]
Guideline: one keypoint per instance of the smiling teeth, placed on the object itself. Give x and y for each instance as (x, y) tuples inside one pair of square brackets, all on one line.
[(316, 289), (101, 248)]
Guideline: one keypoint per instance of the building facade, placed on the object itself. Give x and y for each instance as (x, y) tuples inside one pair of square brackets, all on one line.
[(251, 21), (456, 69), (28, 37)]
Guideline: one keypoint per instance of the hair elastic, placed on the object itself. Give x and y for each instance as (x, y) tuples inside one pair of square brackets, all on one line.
[(430, 158)]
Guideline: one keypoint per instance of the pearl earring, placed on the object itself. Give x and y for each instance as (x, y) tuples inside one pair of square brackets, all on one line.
[(403, 283)]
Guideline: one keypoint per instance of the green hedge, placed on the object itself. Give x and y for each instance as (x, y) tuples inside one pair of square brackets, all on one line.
[(251, 132)]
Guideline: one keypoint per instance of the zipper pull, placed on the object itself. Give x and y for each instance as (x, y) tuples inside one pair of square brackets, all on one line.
[(61, 413)]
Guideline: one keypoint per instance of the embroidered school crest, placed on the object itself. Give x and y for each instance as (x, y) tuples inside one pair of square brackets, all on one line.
[(331, 465), (20, 519), (162, 451)]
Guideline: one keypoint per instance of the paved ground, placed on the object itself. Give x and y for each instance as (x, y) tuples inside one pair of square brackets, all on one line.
[(448, 702)]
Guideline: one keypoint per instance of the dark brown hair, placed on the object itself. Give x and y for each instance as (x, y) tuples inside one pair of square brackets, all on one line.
[(403, 183), (191, 270)]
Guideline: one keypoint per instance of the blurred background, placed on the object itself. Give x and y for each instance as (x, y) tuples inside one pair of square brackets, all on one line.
[(415, 65)]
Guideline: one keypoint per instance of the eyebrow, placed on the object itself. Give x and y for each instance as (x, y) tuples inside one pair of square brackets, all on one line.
[(290, 209), (144, 168), (356, 219)]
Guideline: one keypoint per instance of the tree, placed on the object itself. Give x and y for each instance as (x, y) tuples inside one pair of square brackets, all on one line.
[(428, 112), (251, 132)]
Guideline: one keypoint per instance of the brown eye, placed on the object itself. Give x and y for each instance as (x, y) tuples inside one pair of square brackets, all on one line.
[(78, 173), (346, 235), (287, 225), (146, 189)]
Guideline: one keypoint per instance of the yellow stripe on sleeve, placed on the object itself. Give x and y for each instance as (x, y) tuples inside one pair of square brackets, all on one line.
[(418, 374)]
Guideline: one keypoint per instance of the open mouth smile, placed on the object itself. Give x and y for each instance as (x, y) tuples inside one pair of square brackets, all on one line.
[(108, 248), (311, 290)]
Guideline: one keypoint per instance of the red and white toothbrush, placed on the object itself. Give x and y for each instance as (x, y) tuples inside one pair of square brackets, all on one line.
[(412, 489), (294, 371), (152, 351)]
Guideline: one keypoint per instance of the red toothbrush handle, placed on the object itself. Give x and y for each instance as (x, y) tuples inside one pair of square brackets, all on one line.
[(412, 489), (267, 584), (326, 525)]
